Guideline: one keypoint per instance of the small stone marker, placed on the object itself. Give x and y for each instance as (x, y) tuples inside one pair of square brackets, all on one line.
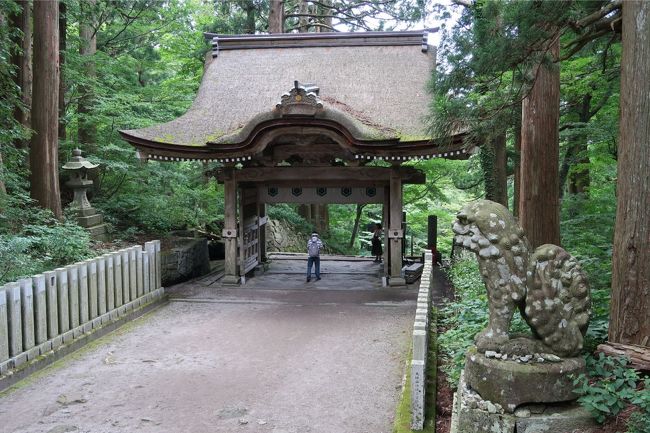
[(158, 264), (27, 305), (62, 293), (40, 308), (52, 304), (419, 345), (417, 394)]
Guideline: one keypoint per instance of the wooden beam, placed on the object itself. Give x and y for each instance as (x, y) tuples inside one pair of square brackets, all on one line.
[(230, 228), (343, 174)]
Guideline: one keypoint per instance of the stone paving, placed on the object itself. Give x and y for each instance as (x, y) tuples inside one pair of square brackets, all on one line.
[(277, 355)]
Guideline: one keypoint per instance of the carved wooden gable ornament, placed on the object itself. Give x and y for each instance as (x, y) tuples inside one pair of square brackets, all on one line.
[(302, 99)]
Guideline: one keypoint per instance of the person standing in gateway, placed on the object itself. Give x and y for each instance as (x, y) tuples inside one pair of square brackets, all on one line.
[(314, 245)]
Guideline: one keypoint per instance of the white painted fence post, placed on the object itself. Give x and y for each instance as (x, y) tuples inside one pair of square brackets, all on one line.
[(4, 326), (40, 308), (84, 295), (52, 304), (117, 278), (150, 248), (126, 283), (73, 295), (145, 271), (15, 319), (139, 270), (27, 305), (133, 283), (92, 288), (101, 285), (158, 265), (110, 282), (62, 294)]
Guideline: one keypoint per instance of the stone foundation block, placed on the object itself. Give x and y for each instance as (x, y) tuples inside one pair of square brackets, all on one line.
[(33, 353), (511, 384), (45, 347), (57, 342), (4, 367), (68, 337), (19, 360), (77, 332), (122, 310), (565, 418), (97, 323), (88, 327), (105, 318), (114, 315)]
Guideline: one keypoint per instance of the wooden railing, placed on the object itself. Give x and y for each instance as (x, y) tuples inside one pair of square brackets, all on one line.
[(40, 314)]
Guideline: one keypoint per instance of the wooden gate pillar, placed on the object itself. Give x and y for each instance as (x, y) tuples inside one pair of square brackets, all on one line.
[(261, 210), (395, 231), (229, 234)]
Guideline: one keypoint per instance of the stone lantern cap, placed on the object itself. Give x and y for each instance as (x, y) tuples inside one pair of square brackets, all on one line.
[(78, 162)]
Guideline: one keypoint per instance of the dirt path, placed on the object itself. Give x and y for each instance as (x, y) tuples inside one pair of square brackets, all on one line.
[(331, 365)]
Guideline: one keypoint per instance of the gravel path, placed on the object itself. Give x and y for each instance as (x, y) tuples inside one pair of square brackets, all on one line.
[(330, 366)]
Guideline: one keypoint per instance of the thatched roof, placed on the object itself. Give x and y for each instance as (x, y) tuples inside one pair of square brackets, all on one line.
[(371, 86)]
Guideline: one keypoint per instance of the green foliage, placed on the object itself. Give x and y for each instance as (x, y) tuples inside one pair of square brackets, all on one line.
[(33, 241), (610, 386), (463, 317)]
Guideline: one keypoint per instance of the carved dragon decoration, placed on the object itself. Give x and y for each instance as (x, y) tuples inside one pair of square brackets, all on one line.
[(548, 285)]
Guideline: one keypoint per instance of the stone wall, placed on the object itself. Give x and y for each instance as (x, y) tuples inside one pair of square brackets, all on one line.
[(188, 258), (283, 237)]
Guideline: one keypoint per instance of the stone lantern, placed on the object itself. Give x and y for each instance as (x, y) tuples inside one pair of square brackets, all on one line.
[(87, 216)]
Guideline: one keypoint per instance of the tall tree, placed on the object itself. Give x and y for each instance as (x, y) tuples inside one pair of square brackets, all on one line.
[(63, 39), (21, 61), (493, 163), (630, 307), (87, 131), (44, 177), (276, 16), (539, 206)]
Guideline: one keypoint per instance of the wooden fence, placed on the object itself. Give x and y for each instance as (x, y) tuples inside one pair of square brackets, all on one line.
[(39, 315), (420, 345)]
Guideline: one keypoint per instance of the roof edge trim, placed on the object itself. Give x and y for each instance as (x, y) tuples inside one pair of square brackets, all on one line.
[(328, 39)]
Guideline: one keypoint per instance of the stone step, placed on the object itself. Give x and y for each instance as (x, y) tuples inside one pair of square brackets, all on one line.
[(90, 221)]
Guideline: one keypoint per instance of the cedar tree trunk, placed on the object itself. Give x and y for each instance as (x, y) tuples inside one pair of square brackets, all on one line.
[(493, 161), (276, 16), (44, 177), (87, 132), (539, 211), (63, 28), (21, 60), (630, 307)]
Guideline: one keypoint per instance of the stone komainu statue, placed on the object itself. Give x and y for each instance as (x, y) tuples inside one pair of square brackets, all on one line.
[(548, 286)]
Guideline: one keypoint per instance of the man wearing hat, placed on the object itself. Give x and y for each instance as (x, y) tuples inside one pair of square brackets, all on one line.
[(314, 245)]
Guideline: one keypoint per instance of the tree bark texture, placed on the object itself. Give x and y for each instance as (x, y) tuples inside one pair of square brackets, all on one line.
[(303, 20), (22, 62), (63, 28), (276, 16), (44, 177), (493, 162), (539, 211), (630, 307), (516, 195), (355, 227), (87, 131)]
